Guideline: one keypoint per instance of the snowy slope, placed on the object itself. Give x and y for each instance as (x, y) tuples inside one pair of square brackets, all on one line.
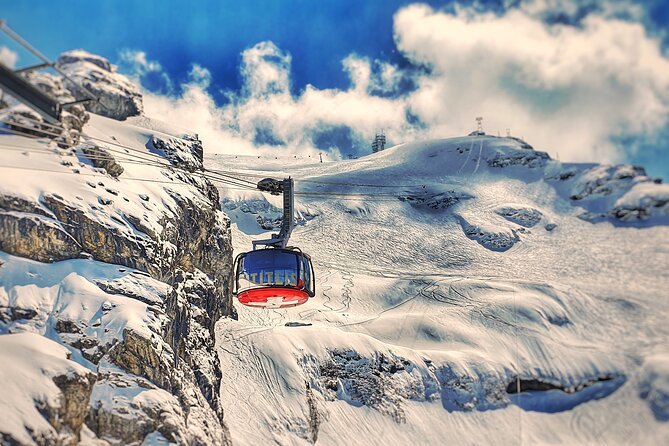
[(485, 265), (116, 298)]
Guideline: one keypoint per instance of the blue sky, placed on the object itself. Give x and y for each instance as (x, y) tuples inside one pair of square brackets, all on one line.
[(319, 34), (328, 44)]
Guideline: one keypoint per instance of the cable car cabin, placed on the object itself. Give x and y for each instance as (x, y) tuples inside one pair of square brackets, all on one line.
[(274, 278)]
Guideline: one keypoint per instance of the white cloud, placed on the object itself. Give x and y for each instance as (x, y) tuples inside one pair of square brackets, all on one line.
[(199, 75), (372, 76), (565, 89), (265, 114), (141, 69), (138, 62), (359, 70), (8, 57), (266, 70)]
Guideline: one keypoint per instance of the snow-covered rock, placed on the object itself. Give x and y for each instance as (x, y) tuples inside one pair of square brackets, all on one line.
[(118, 97), (523, 216), (500, 318), (45, 394), (642, 202), (130, 276)]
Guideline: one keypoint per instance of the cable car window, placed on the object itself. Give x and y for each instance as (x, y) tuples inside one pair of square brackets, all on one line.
[(306, 274), (270, 267)]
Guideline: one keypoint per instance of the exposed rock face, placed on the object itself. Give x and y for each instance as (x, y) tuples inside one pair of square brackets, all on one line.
[(368, 381), (494, 238), (70, 414), (157, 378), (25, 120), (55, 401), (623, 194), (36, 237), (433, 200), (522, 157), (186, 152), (29, 231), (523, 216), (103, 159), (602, 181), (119, 98), (385, 382)]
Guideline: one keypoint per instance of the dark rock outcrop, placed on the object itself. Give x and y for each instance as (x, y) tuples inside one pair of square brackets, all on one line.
[(103, 159), (521, 157), (602, 181), (22, 119), (186, 153), (55, 403), (27, 230), (118, 97), (69, 416)]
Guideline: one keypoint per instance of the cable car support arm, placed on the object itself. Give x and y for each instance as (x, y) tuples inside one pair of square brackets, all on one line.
[(277, 187)]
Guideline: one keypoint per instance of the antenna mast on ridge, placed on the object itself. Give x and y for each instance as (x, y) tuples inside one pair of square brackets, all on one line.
[(479, 125), (379, 142)]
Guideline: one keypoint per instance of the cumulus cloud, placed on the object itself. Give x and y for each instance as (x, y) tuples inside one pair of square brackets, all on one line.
[(145, 71), (566, 89), (138, 62), (577, 89), (266, 70), (199, 75), (264, 116), (8, 57)]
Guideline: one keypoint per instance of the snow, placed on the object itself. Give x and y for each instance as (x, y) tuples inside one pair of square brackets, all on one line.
[(463, 313), (80, 308), (84, 190), (30, 362), (434, 295), (67, 291), (655, 385)]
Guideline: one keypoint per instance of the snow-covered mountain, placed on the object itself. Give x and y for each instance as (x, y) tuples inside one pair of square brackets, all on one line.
[(115, 265), (450, 275)]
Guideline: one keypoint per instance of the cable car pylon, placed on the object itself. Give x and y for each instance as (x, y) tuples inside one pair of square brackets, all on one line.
[(276, 276)]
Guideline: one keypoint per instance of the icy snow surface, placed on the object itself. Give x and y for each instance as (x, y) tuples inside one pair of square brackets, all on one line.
[(440, 295), (91, 297)]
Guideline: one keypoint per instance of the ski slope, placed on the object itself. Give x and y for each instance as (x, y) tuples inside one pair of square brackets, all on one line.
[(449, 272)]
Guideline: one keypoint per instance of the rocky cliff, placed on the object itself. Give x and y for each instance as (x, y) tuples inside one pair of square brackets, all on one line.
[(118, 97), (114, 253)]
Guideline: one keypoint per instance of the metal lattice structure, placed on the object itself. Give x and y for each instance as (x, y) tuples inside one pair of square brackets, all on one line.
[(379, 142), (276, 187)]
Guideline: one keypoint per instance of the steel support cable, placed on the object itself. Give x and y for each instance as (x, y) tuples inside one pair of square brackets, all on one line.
[(232, 179), (35, 121), (146, 180), (46, 151), (219, 183), (21, 41), (334, 183), (157, 160), (223, 173), (144, 161), (53, 151)]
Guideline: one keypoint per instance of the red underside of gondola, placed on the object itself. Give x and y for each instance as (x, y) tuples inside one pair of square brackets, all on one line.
[(275, 297)]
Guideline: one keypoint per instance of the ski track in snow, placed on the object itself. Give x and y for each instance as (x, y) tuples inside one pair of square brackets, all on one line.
[(407, 281), (427, 307)]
